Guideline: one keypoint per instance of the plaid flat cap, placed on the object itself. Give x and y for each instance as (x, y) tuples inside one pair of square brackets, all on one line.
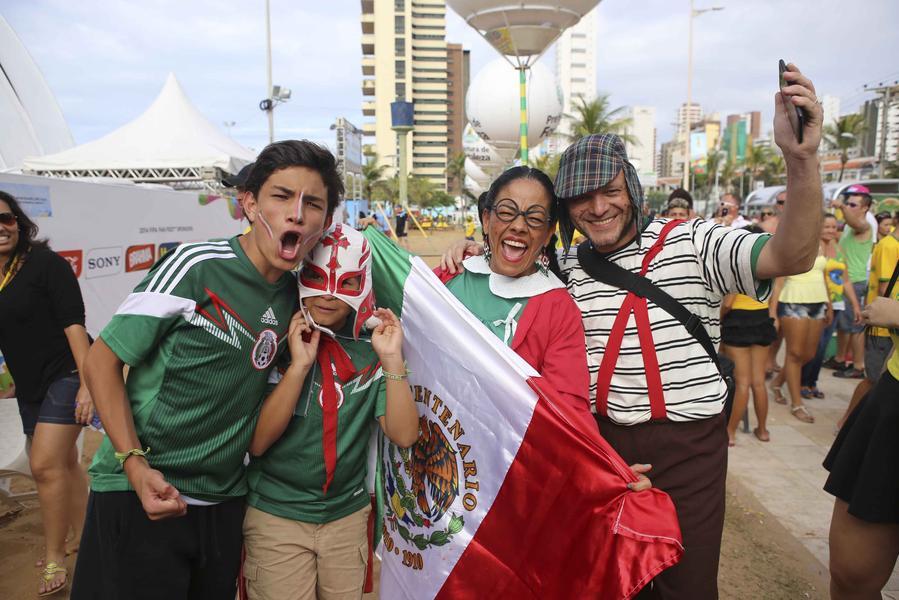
[(589, 164)]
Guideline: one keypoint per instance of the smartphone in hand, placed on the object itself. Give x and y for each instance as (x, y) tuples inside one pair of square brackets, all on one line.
[(794, 113)]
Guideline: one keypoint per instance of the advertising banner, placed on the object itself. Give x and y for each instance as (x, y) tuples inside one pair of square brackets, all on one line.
[(111, 233)]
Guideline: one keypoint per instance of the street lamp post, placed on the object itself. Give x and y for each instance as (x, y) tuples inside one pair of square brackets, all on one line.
[(693, 13), (275, 93), (402, 122)]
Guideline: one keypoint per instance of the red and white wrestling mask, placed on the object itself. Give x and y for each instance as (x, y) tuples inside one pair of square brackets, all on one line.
[(342, 254)]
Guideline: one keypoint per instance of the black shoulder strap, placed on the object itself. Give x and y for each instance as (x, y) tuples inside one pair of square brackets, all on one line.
[(892, 283), (602, 269)]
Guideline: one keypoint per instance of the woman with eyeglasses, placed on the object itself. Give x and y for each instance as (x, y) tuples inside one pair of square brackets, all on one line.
[(514, 288), (802, 305), (44, 342)]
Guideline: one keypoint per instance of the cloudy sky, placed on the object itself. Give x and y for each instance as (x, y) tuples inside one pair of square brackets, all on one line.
[(106, 61)]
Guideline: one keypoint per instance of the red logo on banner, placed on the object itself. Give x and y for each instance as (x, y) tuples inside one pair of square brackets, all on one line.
[(139, 258), (75, 258)]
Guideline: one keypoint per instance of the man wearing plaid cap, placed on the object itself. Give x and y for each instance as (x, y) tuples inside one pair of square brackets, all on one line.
[(669, 413), (658, 395)]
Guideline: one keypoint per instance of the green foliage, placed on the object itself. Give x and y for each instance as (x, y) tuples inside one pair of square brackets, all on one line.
[(548, 163), (656, 199), (596, 116), (891, 171), (843, 135), (455, 172), (373, 176)]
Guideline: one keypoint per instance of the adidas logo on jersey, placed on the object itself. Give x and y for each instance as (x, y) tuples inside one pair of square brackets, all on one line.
[(268, 317)]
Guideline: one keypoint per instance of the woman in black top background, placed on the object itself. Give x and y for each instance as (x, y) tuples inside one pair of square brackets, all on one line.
[(43, 339)]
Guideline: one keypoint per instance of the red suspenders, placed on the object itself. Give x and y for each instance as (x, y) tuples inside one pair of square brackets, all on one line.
[(636, 305)]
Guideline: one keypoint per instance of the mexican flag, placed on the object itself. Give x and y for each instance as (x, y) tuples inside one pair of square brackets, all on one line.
[(502, 496)]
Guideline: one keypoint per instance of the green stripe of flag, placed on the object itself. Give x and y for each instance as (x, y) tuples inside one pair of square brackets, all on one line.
[(390, 268)]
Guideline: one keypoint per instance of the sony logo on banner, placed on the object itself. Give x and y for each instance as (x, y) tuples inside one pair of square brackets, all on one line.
[(103, 262)]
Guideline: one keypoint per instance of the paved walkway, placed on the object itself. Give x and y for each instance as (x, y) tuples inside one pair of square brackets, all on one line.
[(786, 475)]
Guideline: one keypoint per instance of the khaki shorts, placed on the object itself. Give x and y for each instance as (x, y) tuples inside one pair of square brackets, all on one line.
[(292, 560)]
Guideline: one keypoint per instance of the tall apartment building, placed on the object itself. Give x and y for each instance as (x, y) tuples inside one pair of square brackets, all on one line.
[(753, 122), (888, 117), (671, 159), (831, 106), (642, 151), (458, 76), (404, 57), (695, 117), (575, 72)]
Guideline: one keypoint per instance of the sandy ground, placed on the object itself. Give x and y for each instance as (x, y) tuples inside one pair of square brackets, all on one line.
[(760, 558)]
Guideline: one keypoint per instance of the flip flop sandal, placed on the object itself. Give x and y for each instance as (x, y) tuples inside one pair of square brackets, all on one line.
[(39, 563), (755, 432), (802, 413), (778, 395), (49, 574), (806, 393), (816, 393)]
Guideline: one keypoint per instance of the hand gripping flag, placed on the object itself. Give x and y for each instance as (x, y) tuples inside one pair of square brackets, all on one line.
[(503, 496)]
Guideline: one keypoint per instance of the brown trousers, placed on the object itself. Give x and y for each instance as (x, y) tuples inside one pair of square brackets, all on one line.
[(292, 560), (689, 462)]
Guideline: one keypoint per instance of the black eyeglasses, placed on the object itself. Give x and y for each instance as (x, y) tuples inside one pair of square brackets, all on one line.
[(507, 211), (7, 218), (781, 202)]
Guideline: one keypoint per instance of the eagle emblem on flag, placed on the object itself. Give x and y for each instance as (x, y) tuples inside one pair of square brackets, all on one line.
[(422, 482)]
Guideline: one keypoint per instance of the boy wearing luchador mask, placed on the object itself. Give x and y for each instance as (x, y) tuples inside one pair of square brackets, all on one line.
[(306, 526)]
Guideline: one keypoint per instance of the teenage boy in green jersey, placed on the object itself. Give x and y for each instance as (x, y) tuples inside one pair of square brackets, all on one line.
[(306, 526), (200, 334)]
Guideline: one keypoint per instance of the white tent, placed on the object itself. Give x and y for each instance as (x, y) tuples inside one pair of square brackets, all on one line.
[(30, 119), (170, 142)]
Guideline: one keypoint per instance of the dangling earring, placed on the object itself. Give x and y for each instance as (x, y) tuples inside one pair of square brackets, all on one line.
[(486, 249), (543, 263)]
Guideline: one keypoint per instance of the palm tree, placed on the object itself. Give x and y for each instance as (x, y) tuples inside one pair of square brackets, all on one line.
[(596, 116), (712, 165), (548, 163), (843, 135), (775, 170), (755, 161), (455, 172), (729, 172), (373, 176)]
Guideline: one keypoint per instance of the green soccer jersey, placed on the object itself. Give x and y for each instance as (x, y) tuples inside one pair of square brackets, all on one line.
[(287, 480), (201, 333)]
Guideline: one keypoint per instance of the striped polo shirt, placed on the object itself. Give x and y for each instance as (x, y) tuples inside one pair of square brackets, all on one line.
[(700, 263)]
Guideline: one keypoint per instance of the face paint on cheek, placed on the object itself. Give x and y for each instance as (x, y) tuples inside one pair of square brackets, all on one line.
[(267, 226)]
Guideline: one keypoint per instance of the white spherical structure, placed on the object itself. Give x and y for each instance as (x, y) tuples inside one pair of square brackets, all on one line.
[(481, 155), (493, 105)]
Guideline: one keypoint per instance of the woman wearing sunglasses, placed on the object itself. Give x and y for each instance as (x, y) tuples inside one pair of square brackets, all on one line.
[(44, 342)]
